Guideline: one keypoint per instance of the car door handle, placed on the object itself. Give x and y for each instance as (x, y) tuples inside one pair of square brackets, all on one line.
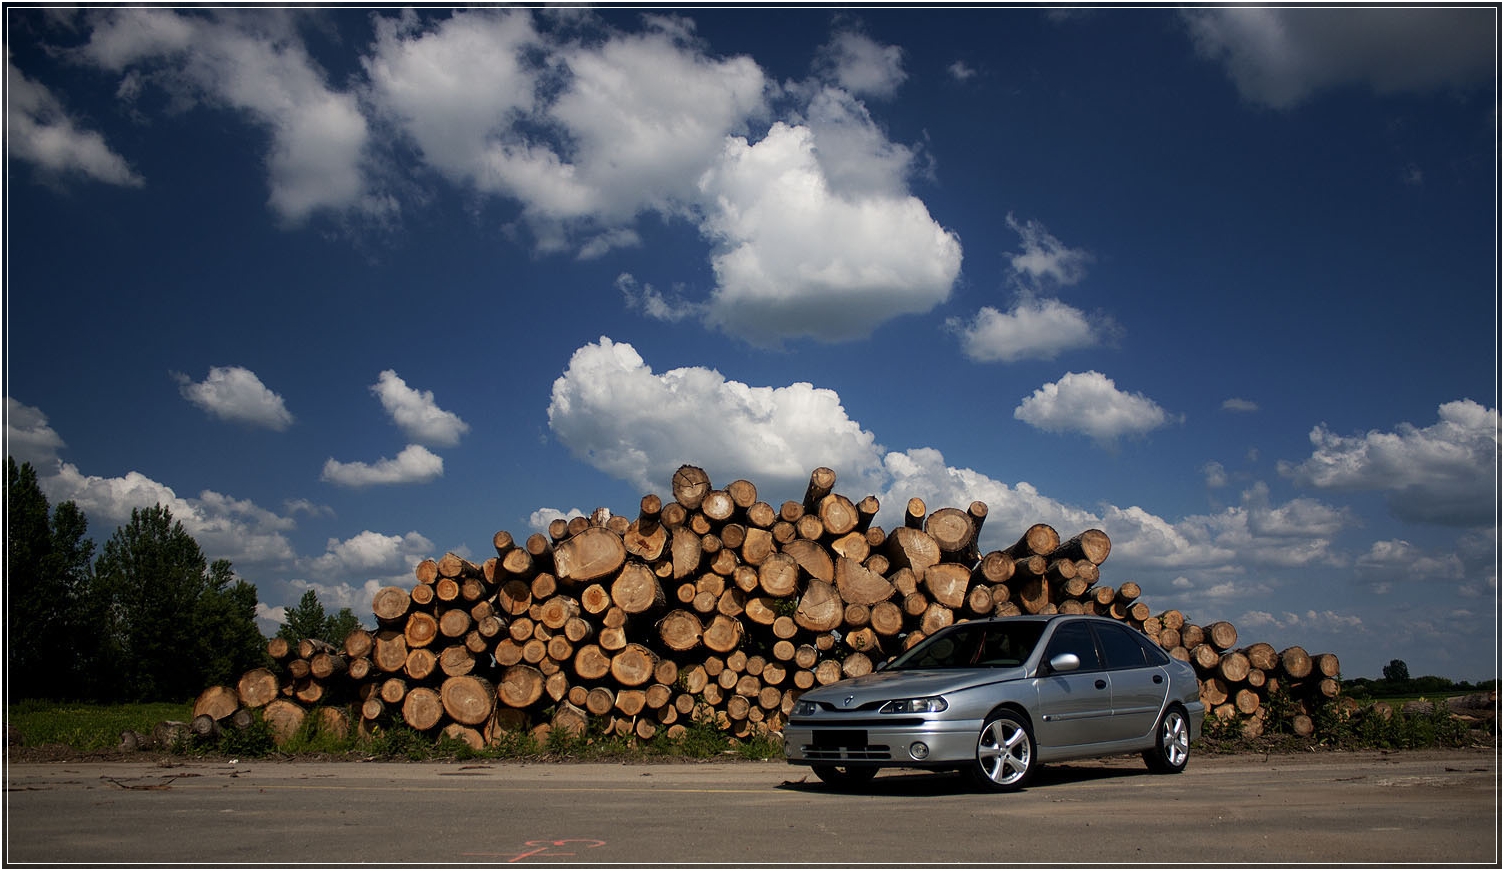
[(1101, 684)]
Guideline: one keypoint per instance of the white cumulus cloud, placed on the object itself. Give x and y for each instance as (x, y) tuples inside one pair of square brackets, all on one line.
[(1444, 473), (40, 131), (1091, 403), (1033, 329), (252, 64), (414, 465), (861, 65), (612, 411), (416, 413), (236, 394), (29, 438), (793, 258)]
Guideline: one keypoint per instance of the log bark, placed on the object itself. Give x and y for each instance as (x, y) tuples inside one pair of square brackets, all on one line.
[(859, 585), (821, 482), (1222, 634), (815, 560), (468, 699), (680, 630), (422, 708), (952, 529), (1295, 662), (820, 608), (1038, 540), (257, 688), (996, 567), (913, 549), (723, 634), (420, 630), (520, 686), (636, 589), (390, 605), (948, 583), (837, 514), (594, 553), (633, 665), (217, 702), (1092, 545)]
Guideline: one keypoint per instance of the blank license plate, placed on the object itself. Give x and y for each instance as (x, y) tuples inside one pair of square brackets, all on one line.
[(841, 738)]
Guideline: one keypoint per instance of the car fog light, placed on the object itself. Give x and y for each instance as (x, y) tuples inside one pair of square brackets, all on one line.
[(919, 750)]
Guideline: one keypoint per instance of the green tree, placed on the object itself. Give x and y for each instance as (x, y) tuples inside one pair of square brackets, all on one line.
[(307, 619), (225, 627), (52, 647), (341, 625), (1396, 670), (176, 624)]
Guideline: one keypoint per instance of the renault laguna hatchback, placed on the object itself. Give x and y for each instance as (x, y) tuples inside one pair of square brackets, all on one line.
[(997, 698)]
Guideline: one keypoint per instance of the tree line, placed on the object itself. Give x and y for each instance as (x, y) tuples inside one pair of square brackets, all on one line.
[(1397, 682), (148, 618)]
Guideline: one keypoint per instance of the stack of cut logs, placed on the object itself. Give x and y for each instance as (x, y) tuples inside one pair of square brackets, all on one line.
[(714, 607)]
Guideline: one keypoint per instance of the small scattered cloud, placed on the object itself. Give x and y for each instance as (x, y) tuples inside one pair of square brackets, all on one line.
[(414, 465), (29, 438), (370, 553), (1215, 475), (961, 71), (861, 65), (1282, 56), (653, 304), (1090, 403), (1036, 327), (1444, 473), (40, 131), (225, 527), (1045, 260), (1033, 329), (234, 393), (1239, 405), (317, 136), (540, 519), (416, 413)]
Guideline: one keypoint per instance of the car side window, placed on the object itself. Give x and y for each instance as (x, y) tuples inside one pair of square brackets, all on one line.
[(1074, 638), (1120, 648)]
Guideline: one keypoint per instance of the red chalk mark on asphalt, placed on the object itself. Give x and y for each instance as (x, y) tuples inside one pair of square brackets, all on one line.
[(539, 848)]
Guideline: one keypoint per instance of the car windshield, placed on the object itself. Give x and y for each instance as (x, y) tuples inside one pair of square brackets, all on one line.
[(983, 645)]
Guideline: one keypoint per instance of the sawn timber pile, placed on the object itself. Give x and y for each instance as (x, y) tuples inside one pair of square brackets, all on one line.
[(717, 607)]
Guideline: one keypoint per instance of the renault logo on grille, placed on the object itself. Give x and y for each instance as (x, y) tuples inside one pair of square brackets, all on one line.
[(847, 703)]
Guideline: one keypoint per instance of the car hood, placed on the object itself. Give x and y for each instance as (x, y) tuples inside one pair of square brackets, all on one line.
[(907, 684)]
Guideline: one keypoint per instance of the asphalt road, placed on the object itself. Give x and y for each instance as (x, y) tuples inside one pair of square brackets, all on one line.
[(1430, 807)]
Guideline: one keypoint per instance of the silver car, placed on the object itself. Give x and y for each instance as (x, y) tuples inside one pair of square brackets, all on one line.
[(997, 698)]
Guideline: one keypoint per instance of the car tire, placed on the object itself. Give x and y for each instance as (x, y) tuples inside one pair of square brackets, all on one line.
[(1172, 742), (845, 776), (1006, 755)]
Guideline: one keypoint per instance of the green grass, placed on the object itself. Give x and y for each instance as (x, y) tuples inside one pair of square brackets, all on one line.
[(89, 727), (86, 728)]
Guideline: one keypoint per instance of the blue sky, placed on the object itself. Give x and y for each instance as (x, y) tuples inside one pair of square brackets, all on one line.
[(347, 288)]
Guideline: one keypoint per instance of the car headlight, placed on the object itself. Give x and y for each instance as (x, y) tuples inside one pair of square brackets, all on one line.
[(805, 709), (931, 705)]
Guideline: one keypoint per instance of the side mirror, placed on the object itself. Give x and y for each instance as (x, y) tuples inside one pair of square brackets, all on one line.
[(1065, 662)]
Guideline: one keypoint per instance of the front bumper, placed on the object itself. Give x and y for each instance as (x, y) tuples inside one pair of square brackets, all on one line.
[(910, 742)]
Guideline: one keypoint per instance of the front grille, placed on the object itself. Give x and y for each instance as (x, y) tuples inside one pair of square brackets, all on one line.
[(867, 753), (887, 721)]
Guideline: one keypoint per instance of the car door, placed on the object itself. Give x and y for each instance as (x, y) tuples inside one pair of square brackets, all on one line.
[(1074, 706), (1138, 685)]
